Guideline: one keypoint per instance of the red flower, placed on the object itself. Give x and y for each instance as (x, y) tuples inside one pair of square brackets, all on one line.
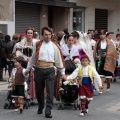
[(10, 55)]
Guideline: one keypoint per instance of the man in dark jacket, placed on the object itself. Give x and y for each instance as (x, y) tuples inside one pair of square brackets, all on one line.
[(2, 56), (8, 46)]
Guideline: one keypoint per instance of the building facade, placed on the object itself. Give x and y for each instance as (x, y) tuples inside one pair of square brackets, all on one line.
[(35, 14), (17, 15), (7, 14), (101, 14)]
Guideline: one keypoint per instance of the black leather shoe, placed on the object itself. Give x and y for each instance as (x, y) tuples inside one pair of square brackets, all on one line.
[(40, 111), (21, 110), (48, 115), (48, 112)]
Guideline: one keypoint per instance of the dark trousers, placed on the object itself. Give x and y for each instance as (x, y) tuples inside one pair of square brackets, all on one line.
[(1, 72), (44, 77)]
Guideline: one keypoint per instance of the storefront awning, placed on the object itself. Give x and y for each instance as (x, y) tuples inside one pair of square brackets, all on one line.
[(51, 2)]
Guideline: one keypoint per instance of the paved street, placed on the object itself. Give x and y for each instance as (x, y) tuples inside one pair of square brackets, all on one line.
[(103, 107)]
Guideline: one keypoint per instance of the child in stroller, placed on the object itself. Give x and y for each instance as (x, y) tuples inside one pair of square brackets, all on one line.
[(68, 94)]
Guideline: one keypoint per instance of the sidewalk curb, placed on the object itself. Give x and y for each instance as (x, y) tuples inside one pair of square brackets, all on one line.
[(3, 83)]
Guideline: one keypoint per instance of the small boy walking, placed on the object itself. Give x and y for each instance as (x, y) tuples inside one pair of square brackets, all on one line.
[(17, 80), (86, 76)]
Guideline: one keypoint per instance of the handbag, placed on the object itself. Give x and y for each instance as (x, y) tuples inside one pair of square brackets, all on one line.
[(69, 66)]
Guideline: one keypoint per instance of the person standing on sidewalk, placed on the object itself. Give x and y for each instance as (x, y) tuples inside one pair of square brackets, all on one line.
[(2, 57), (46, 55)]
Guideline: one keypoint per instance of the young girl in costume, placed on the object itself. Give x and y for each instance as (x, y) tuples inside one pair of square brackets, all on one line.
[(86, 76)]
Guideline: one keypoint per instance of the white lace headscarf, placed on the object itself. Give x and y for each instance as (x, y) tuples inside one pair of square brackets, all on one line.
[(62, 40), (86, 46)]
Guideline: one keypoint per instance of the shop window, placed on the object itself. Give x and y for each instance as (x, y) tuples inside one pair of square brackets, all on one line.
[(78, 19), (3, 29)]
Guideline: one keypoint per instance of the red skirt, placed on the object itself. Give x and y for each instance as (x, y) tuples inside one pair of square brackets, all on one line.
[(32, 85), (85, 92)]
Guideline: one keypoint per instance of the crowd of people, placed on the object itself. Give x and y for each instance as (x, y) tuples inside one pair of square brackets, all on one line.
[(89, 58)]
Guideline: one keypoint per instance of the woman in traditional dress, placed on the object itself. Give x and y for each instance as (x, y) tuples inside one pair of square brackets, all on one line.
[(70, 52), (84, 45), (71, 58), (117, 44), (105, 55), (26, 46)]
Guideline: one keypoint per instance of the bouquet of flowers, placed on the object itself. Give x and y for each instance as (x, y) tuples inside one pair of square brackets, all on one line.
[(99, 60), (12, 56)]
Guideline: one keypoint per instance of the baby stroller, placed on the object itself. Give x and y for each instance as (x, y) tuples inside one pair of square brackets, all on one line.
[(68, 96), (10, 102)]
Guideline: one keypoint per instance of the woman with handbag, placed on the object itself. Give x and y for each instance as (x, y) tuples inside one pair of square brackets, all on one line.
[(71, 55)]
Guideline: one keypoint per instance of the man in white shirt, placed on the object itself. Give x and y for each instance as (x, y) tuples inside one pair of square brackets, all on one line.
[(46, 55)]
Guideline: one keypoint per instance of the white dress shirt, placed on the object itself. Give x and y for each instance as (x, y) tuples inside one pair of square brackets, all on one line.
[(46, 54), (85, 73), (103, 44)]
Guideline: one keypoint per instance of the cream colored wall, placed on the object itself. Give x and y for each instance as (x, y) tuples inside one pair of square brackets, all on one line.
[(89, 18), (102, 4), (6, 10), (10, 20), (114, 22)]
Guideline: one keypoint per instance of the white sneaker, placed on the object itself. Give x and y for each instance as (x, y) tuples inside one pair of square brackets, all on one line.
[(107, 90), (100, 92), (82, 114), (66, 82), (15, 110), (87, 110), (61, 89)]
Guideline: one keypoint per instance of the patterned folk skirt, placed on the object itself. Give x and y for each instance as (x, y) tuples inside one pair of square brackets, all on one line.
[(32, 85), (18, 91), (101, 70), (85, 92), (58, 82)]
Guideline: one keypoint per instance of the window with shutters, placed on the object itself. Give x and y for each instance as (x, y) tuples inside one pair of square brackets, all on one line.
[(101, 19)]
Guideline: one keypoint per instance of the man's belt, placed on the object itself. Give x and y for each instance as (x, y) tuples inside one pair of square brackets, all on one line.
[(43, 64)]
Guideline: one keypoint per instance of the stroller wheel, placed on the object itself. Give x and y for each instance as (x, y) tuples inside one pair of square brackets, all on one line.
[(78, 106), (75, 106), (62, 106), (58, 106), (9, 105), (5, 105), (26, 104), (32, 103)]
